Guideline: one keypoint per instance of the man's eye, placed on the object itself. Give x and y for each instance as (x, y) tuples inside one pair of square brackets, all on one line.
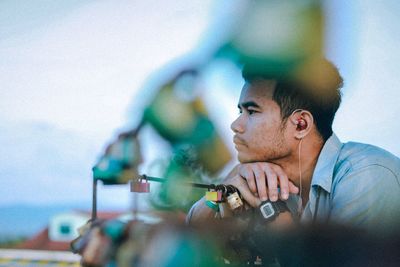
[(250, 111)]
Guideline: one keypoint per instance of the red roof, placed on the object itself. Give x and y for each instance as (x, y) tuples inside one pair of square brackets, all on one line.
[(107, 215), (42, 242)]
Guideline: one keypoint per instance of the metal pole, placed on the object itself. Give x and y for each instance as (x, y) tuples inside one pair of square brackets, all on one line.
[(94, 200), (162, 180)]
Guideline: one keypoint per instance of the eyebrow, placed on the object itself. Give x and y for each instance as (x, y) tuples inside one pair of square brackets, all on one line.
[(248, 104)]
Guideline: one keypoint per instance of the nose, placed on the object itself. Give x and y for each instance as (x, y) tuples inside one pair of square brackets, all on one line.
[(237, 125)]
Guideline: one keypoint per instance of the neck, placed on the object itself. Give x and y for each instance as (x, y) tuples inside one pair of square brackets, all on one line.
[(308, 156)]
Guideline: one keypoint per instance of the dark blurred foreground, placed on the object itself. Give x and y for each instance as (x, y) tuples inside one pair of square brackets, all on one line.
[(231, 242)]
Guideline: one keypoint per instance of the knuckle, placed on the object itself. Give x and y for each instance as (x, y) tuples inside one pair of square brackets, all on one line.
[(266, 166), (243, 168), (276, 168), (284, 187), (272, 179), (273, 189), (283, 181)]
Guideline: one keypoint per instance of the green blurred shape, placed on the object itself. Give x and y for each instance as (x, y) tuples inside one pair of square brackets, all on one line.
[(275, 37), (179, 115), (191, 250), (183, 121), (108, 170), (173, 193), (119, 163), (115, 229), (177, 120)]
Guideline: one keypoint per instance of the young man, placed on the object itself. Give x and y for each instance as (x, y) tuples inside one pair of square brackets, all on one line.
[(284, 139)]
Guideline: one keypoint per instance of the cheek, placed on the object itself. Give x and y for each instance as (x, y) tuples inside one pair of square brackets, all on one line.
[(260, 130), (266, 137)]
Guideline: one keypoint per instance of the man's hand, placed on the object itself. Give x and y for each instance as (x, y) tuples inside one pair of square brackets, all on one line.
[(263, 179), (237, 181), (259, 182)]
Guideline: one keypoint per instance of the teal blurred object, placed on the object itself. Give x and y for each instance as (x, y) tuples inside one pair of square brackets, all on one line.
[(108, 170), (178, 114), (115, 229), (191, 250), (173, 193), (119, 163)]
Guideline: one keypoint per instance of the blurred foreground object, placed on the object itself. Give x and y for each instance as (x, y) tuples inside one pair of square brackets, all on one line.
[(120, 161), (179, 115), (275, 36), (230, 243), (114, 243)]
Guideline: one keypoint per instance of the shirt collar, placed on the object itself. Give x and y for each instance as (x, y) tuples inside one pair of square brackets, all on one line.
[(323, 172)]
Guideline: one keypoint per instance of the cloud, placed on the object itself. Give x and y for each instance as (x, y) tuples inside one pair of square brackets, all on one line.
[(43, 163)]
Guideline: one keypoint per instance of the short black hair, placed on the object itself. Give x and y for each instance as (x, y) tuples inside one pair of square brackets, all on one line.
[(314, 86)]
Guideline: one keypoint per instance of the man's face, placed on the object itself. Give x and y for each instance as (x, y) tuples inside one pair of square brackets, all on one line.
[(259, 131)]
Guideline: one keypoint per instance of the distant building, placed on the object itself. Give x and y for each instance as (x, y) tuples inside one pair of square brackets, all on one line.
[(62, 229), (51, 246)]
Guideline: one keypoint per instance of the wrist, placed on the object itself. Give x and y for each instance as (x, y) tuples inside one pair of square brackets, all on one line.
[(270, 210)]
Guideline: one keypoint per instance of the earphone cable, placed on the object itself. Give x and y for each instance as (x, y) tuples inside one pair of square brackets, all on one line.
[(300, 203)]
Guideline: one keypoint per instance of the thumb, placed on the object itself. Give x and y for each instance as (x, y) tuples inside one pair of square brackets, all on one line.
[(248, 196), (292, 188), (241, 184)]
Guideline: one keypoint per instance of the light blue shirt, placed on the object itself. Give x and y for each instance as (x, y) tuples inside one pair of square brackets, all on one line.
[(359, 185)]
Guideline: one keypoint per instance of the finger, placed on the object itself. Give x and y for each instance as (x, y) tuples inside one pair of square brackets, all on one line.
[(248, 174), (283, 183), (248, 197), (292, 188), (261, 183), (244, 190), (272, 180), (237, 181)]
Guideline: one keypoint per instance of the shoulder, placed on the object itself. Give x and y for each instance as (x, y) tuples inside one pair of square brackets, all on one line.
[(364, 154), (355, 157), (366, 168), (366, 186)]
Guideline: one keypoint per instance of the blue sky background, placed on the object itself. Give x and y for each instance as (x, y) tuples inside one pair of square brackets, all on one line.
[(70, 72)]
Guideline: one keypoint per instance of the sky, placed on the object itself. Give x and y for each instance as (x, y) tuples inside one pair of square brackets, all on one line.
[(71, 73)]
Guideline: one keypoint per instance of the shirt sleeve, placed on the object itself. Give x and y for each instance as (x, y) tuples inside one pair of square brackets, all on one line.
[(199, 213), (368, 198), (190, 213)]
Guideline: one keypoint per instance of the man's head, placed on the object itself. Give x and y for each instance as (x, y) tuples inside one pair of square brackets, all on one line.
[(275, 112)]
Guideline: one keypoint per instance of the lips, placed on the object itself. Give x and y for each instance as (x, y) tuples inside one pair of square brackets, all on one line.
[(238, 141)]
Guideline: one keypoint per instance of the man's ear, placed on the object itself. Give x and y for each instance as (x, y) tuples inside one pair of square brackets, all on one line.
[(302, 121)]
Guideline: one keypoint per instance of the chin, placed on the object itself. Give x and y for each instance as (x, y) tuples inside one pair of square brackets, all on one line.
[(251, 158), (245, 159)]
